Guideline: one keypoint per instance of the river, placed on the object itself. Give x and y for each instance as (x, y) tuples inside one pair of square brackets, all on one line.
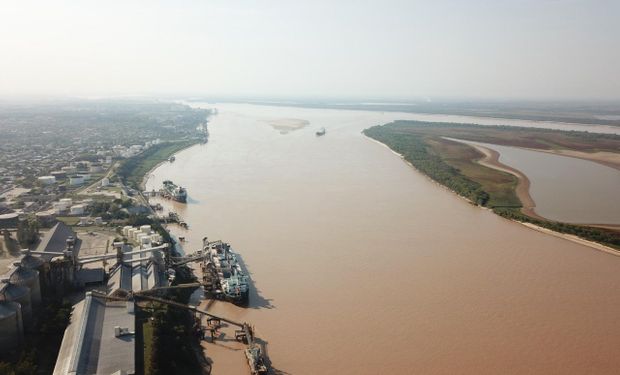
[(361, 265)]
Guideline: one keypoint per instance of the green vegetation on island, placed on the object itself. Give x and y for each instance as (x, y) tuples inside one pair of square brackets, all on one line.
[(454, 164)]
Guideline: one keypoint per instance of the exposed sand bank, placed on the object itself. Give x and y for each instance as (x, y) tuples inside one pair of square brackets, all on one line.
[(286, 125), (609, 159)]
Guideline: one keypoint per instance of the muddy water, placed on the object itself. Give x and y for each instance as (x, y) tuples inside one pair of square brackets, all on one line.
[(361, 265)]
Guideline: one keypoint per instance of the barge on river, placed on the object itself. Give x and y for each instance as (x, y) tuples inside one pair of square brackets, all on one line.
[(172, 191), (223, 277)]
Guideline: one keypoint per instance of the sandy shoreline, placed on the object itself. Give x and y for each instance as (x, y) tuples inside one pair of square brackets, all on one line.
[(491, 160), (573, 238)]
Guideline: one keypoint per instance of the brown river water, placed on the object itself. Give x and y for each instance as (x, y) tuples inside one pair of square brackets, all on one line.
[(362, 265)]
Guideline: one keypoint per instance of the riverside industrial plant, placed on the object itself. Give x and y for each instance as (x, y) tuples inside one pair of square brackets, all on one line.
[(77, 240)]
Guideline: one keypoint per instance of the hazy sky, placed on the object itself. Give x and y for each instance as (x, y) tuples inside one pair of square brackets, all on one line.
[(367, 49)]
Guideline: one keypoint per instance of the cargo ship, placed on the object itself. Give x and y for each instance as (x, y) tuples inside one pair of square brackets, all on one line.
[(223, 277), (172, 191)]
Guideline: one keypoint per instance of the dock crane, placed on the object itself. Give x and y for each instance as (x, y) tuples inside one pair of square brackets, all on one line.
[(245, 332)]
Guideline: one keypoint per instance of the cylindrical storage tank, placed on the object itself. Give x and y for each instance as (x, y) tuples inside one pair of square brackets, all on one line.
[(11, 327), (29, 278), (21, 295), (32, 262)]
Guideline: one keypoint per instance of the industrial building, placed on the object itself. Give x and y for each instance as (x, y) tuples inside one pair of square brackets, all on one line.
[(9, 221), (99, 340), (54, 241), (101, 336), (78, 209), (76, 180)]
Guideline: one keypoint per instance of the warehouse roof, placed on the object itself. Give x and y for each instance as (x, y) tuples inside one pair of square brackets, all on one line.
[(90, 344), (55, 240)]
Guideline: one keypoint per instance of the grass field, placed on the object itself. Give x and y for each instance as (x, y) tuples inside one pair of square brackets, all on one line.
[(147, 337), (133, 170)]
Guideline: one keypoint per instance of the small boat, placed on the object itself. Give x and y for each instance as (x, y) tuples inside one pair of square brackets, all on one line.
[(320, 132)]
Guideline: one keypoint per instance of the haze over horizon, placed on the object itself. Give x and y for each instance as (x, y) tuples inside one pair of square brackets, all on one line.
[(548, 50)]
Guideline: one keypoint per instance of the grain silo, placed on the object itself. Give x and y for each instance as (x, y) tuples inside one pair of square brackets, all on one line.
[(11, 326), (19, 294), (32, 262), (29, 278)]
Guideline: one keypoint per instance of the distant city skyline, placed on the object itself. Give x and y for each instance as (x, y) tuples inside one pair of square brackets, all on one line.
[(398, 49)]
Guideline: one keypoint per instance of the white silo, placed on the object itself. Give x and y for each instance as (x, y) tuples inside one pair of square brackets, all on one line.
[(29, 278), (11, 326), (21, 295)]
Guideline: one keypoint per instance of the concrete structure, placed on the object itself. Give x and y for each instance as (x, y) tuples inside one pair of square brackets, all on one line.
[(20, 294), (101, 336), (105, 182), (78, 209), (135, 275), (76, 180), (9, 221), (32, 262), (28, 278), (47, 180), (95, 168), (99, 340), (56, 241), (62, 206), (45, 219), (59, 174), (11, 326)]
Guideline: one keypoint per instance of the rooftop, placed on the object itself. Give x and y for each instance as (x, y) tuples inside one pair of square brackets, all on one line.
[(90, 345), (55, 240)]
